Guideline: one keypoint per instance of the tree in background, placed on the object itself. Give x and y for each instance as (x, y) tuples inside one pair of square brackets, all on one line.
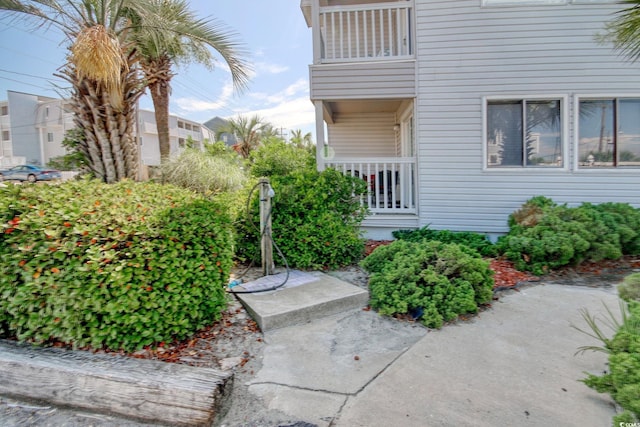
[(249, 132), (179, 37), (102, 71), (300, 140), (75, 159)]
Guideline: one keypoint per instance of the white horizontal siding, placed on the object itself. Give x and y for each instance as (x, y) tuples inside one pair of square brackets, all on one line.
[(358, 135), (466, 52), (390, 79)]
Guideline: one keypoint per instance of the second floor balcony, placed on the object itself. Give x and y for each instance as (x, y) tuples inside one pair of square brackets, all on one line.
[(356, 31)]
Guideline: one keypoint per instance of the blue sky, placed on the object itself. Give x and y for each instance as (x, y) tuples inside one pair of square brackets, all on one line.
[(274, 34)]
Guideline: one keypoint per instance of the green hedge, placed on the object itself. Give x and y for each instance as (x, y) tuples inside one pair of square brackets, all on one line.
[(433, 281), (477, 241), (315, 220), (544, 235), (119, 266)]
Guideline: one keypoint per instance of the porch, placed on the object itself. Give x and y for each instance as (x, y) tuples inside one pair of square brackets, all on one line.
[(391, 183)]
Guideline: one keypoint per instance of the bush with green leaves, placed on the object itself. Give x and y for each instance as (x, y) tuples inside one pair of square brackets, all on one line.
[(316, 219), (434, 281), (477, 241), (277, 158), (622, 381), (544, 235), (629, 289), (203, 173), (119, 266)]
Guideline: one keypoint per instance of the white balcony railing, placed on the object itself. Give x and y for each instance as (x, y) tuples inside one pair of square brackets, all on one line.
[(380, 31), (396, 194)]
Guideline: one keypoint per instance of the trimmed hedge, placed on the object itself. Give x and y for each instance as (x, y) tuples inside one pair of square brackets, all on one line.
[(433, 281), (119, 266), (544, 235), (477, 241)]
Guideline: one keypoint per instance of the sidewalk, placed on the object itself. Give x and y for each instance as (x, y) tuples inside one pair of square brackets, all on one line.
[(511, 365)]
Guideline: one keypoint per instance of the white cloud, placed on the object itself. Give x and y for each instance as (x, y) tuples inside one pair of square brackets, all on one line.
[(265, 67), (301, 86), (290, 114), (191, 104)]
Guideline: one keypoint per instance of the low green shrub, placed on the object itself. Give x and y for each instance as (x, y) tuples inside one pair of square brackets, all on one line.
[(434, 281), (120, 266), (476, 241), (629, 289), (316, 220), (622, 381), (277, 158), (204, 173), (544, 235)]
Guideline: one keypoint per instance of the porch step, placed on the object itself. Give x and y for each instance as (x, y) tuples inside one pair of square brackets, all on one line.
[(146, 390), (306, 296)]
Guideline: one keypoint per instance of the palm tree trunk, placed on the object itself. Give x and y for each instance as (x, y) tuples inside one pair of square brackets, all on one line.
[(158, 75), (109, 143)]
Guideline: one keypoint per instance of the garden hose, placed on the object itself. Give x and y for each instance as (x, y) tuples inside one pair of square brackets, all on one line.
[(263, 233)]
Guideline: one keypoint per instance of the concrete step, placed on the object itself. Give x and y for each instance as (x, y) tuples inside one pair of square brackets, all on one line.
[(305, 296)]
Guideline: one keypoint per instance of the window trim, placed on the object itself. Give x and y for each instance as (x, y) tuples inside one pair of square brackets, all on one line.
[(564, 133), (576, 132)]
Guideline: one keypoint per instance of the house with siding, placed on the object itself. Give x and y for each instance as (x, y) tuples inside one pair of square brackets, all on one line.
[(456, 112)]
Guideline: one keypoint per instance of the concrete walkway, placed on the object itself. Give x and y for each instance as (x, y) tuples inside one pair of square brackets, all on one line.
[(511, 365)]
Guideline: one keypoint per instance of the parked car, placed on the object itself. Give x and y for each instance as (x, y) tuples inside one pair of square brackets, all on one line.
[(29, 173)]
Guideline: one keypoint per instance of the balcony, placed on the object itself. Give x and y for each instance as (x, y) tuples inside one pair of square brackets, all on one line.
[(361, 32), (394, 195)]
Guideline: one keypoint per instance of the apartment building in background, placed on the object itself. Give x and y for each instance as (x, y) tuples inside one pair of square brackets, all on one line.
[(32, 128)]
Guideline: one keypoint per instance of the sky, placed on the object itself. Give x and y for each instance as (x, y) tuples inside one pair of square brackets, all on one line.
[(274, 35)]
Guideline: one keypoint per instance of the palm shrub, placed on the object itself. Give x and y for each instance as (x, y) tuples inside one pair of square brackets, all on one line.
[(118, 266), (434, 281), (203, 173), (622, 381), (315, 220)]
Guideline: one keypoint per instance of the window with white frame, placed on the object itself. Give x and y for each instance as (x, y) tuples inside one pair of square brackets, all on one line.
[(524, 133), (608, 132), (49, 136), (4, 110), (6, 135)]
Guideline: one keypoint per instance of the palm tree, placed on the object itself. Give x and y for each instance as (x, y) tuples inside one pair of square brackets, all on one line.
[(300, 140), (180, 37), (248, 132), (624, 30), (101, 69)]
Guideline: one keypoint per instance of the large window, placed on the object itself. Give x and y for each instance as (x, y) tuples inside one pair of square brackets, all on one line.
[(524, 133), (609, 133)]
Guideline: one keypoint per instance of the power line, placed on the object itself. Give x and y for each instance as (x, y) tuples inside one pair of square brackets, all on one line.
[(30, 75)]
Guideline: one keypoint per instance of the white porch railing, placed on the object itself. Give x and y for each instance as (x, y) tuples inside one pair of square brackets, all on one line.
[(380, 31), (396, 194)]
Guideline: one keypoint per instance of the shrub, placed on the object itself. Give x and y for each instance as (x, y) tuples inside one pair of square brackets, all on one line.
[(544, 236), (434, 281), (622, 381), (277, 158), (316, 220), (203, 173), (629, 289), (476, 241), (119, 266)]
